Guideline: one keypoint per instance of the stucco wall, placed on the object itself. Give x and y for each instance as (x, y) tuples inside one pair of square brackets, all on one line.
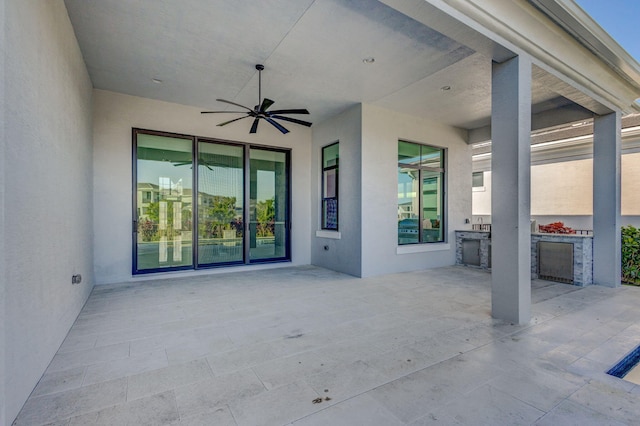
[(381, 130), (344, 254), (3, 271), (114, 116), (47, 190), (368, 191), (560, 191)]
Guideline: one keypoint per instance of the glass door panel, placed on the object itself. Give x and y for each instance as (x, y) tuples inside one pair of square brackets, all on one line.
[(268, 215), (220, 203), (163, 202)]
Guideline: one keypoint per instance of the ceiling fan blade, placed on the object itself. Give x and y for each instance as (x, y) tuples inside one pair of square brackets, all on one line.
[(292, 120), (277, 125), (231, 121), (290, 111), (223, 112), (254, 126), (233, 103), (266, 103)]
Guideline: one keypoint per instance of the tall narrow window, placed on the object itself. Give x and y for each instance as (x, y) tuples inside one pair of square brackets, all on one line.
[(420, 193), (330, 161)]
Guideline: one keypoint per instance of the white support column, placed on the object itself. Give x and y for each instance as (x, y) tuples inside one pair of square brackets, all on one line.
[(511, 194), (607, 257)]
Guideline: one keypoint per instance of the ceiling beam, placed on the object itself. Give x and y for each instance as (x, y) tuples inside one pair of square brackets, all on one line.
[(561, 116)]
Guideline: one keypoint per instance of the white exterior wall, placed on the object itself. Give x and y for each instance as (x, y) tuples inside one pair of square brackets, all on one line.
[(630, 191), (381, 131), (562, 188), (368, 191), (47, 188), (115, 115), (343, 254), (3, 270), (563, 191)]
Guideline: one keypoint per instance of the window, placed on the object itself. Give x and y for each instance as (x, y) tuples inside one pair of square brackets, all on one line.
[(478, 182), (478, 179), (420, 193), (202, 203), (330, 160)]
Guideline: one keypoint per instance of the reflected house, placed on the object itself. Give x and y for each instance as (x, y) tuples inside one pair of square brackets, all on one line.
[(102, 106)]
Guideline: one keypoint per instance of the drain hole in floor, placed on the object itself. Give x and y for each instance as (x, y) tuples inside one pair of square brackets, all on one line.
[(628, 368)]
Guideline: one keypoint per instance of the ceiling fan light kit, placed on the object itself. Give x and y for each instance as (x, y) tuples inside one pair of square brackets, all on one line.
[(259, 112)]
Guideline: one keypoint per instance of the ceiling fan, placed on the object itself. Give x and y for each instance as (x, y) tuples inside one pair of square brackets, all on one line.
[(259, 112)]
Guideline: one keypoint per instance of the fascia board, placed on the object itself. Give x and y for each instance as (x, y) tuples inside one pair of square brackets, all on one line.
[(524, 28), (589, 33)]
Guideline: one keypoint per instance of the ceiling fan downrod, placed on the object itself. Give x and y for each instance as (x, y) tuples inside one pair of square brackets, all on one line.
[(259, 67)]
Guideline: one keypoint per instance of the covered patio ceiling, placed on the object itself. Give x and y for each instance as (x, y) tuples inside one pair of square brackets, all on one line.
[(194, 51)]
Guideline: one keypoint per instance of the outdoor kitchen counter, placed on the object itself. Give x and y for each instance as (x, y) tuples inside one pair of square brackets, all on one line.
[(468, 241)]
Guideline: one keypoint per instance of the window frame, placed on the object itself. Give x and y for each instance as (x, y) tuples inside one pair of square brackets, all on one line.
[(422, 170), (195, 161), (478, 188), (335, 167)]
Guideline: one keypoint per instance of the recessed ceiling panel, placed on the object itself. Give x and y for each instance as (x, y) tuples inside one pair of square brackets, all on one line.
[(200, 49)]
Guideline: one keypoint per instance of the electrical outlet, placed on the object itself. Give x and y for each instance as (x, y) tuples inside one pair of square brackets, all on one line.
[(76, 279)]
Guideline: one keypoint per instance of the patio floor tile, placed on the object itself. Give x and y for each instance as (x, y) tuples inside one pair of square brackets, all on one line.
[(417, 348)]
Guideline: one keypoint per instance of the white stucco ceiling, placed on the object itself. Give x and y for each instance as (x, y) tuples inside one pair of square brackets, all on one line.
[(312, 50)]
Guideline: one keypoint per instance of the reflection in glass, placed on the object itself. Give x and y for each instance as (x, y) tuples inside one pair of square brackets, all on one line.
[(408, 229), (268, 208), (330, 176), (408, 153), (220, 203), (420, 193), (431, 207), (164, 202)]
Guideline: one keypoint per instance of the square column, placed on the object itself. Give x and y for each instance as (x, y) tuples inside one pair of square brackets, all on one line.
[(511, 193), (607, 255)]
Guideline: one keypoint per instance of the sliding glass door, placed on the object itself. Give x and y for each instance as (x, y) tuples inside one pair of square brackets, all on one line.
[(163, 198), (220, 203), (233, 210), (269, 203)]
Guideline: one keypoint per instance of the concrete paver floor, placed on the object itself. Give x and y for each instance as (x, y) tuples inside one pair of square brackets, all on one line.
[(308, 346)]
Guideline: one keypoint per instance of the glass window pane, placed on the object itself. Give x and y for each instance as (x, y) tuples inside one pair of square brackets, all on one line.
[(408, 208), (330, 183), (420, 193), (164, 202), (269, 201), (330, 174), (432, 229), (220, 203), (330, 155), (408, 153), (330, 213), (431, 157), (478, 179)]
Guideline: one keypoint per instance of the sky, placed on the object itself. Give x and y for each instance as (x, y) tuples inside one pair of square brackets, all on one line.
[(620, 18)]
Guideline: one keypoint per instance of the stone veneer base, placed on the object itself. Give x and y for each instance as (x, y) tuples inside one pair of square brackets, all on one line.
[(582, 252)]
